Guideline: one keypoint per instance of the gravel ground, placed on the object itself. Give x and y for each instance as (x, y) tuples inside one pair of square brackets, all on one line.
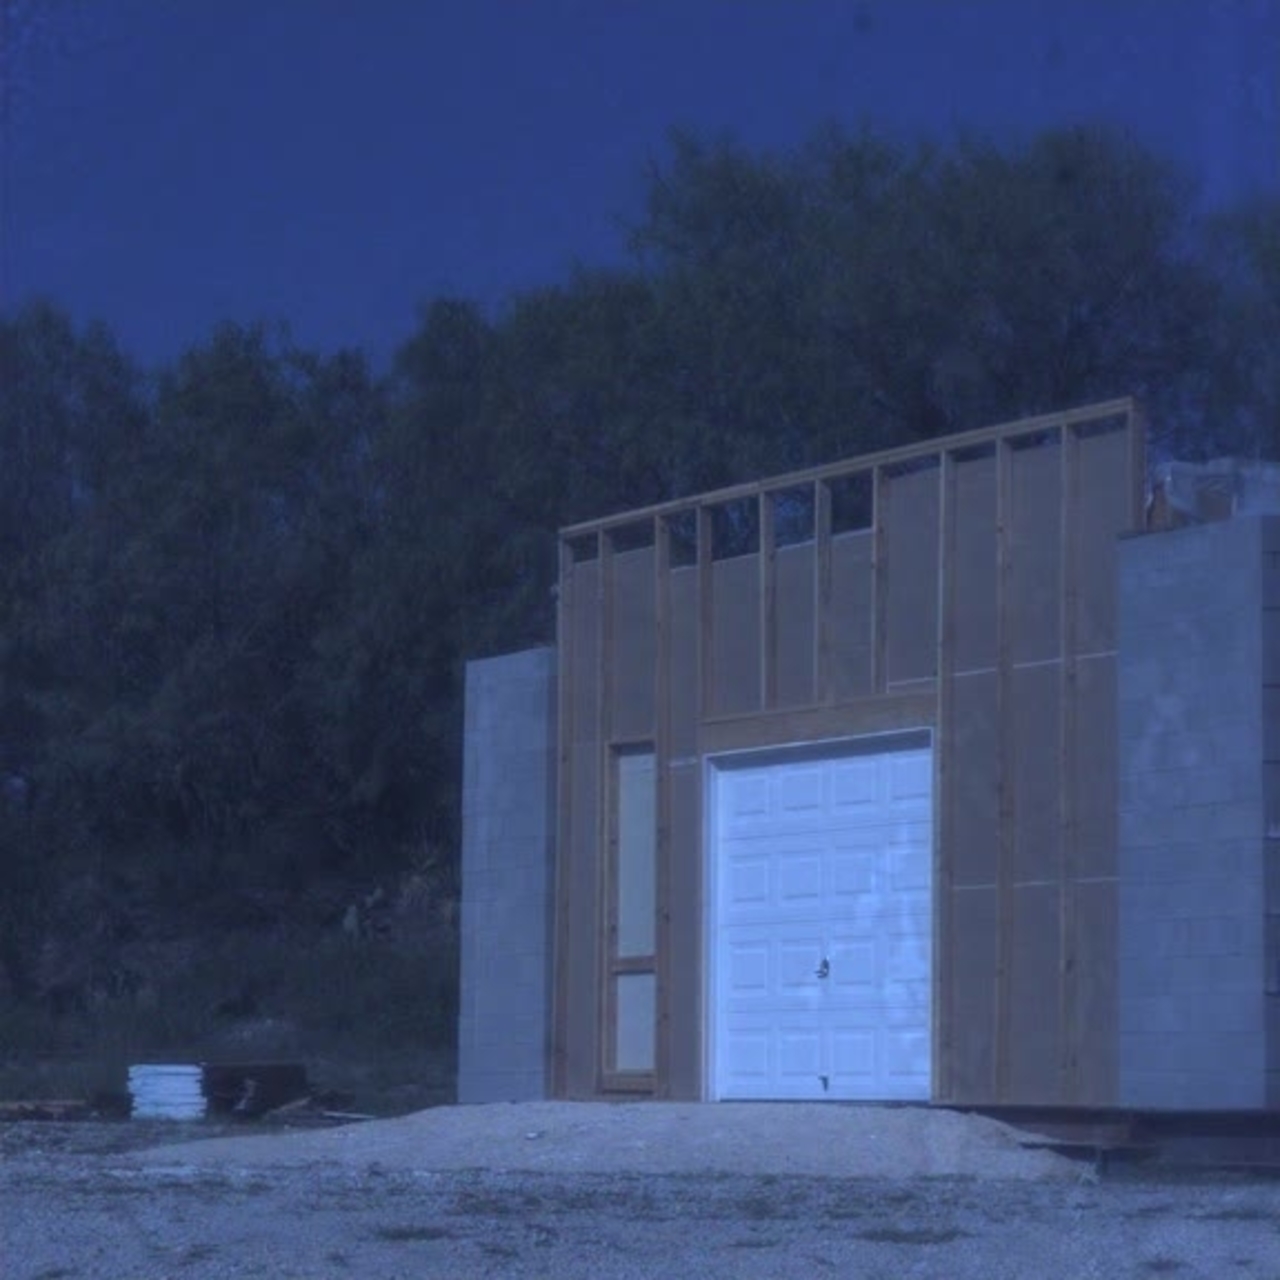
[(639, 1190)]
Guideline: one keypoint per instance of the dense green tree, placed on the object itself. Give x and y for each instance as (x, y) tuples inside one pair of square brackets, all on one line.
[(71, 417), (383, 684), (1243, 408), (855, 293), (178, 619)]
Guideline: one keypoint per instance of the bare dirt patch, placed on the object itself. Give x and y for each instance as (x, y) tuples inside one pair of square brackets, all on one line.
[(654, 1137)]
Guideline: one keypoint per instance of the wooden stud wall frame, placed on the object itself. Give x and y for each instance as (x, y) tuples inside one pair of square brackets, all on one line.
[(723, 636)]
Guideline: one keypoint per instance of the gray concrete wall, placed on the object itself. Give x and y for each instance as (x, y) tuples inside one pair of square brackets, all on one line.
[(1271, 795), (1192, 1014), (507, 875)]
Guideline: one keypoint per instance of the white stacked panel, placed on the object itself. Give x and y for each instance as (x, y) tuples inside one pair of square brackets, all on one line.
[(164, 1091)]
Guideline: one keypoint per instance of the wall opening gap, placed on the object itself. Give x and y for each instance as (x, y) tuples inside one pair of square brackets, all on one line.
[(1049, 436), (735, 529), (632, 537), (682, 538), (913, 466), (1100, 426), (852, 502), (792, 511)]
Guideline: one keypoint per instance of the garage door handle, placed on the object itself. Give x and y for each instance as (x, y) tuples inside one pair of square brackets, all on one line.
[(823, 969)]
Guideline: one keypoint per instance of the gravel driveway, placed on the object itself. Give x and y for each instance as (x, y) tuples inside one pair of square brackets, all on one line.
[(597, 1190)]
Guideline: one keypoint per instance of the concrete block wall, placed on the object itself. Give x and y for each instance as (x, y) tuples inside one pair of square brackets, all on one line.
[(507, 877), (1271, 796), (1193, 1015)]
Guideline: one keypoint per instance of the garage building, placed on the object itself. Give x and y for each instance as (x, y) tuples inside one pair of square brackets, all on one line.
[(936, 775)]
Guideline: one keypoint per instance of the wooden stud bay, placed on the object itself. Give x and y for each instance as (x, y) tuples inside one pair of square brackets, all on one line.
[(662, 782), (942, 877), (822, 591), (1006, 763), (1068, 769)]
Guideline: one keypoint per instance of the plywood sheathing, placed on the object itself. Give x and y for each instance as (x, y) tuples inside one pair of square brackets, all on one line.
[(979, 600)]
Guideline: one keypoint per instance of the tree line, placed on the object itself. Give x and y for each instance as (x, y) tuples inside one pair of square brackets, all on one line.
[(237, 594)]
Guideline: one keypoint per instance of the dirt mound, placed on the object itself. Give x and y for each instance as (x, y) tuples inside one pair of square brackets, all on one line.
[(830, 1140)]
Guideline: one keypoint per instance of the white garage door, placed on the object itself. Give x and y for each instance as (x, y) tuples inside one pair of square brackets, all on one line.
[(822, 928)]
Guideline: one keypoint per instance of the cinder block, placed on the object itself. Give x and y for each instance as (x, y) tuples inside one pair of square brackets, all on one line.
[(1271, 1024), (1268, 533), (1188, 974), (1135, 827), (1138, 1050), (1175, 750), (1139, 678), (1216, 936), (1188, 862), (1270, 858), (1242, 972), (506, 876), (1143, 973), (1240, 764), (1234, 1011), (483, 1087), (1235, 897), (1270, 772), (1155, 788), (1231, 1088), (1213, 785), (1161, 1017), (1231, 821), (1271, 934), (1132, 939), (1155, 1090), (482, 879), (1238, 860), (1271, 646)]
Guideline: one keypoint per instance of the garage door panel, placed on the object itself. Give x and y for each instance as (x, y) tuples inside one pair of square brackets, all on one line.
[(750, 1062), (906, 835), (800, 1055), (747, 798), (853, 867), (902, 1011), (907, 911), (904, 957), (855, 963), (906, 1057), (775, 1057), (853, 1059), (855, 787), (747, 882), (798, 961), (825, 860), (781, 969), (798, 789), (799, 871), (910, 777), (748, 970), (911, 871), (882, 915)]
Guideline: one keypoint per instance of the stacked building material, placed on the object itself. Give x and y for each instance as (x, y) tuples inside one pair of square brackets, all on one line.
[(167, 1091)]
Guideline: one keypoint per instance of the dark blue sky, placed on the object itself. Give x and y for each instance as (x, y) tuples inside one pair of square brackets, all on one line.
[(334, 163)]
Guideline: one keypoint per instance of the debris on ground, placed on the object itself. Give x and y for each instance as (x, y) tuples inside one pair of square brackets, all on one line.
[(277, 1094)]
